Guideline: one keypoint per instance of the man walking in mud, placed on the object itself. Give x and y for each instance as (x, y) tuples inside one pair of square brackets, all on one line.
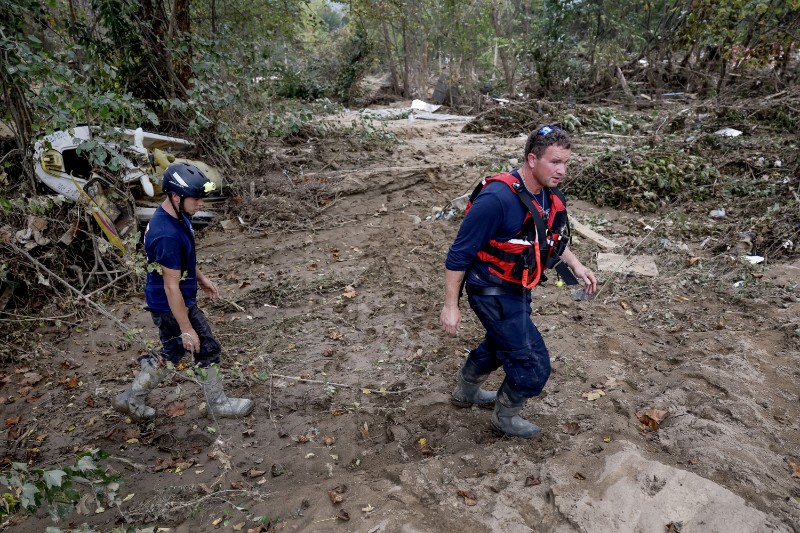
[(171, 294), (515, 227)]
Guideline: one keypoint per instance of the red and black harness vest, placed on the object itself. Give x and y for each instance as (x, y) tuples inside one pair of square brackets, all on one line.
[(539, 243)]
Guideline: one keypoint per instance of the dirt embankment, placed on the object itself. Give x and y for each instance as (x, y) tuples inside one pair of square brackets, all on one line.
[(332, 327)]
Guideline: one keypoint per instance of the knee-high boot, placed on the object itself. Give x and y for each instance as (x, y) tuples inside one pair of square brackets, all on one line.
[(218, 403), (131, 401), (468, 391), (506, 419)]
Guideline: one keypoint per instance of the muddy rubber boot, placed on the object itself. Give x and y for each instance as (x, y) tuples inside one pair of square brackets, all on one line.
[(468, 391), (218, 403), (131, 401), (506, 420)]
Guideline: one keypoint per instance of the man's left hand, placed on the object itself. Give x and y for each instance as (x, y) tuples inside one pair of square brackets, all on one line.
[(208, 286), (590, 282)]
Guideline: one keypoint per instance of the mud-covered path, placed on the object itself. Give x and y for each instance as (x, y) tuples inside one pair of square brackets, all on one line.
[(334, 332)]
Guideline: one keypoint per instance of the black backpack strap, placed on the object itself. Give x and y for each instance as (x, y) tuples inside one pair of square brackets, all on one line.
[(527, 200)]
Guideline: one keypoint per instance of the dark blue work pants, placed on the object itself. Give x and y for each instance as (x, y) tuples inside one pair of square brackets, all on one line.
[(512, 341), (172, 345)]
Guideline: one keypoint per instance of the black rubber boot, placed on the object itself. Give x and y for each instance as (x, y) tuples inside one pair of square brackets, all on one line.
[(468, 391), (506, 420)]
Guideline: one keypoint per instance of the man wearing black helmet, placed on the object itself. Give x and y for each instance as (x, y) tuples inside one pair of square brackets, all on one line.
[(171, 293)]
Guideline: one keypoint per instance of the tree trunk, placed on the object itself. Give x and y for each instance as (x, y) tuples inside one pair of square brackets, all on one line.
[(183, 67), (390, 58), (508, 72), (13, 99)]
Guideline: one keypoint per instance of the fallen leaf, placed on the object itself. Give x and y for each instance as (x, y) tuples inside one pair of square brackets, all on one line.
[(165, 463), (335, 335), (579, 476), (329, 440), (31, 378), (176, 408), (71, 427), (23, 391), (244, 284), (239, 526), (692, 260), (692, 461), (368, 508), (469, 497), (300, 439), (277, 469), (72, 382), (365, 431), (336, 410), (571, 428), (343, 515), (606, 439), (624, 305), (216, 521), (795, 469), (222, 457), (41, 438), (594, 395), (132, 433), (32, 454), (310, 455), (312, 267), (255, 473), (13, 421), (335, 497), (531, 481), (349, 292), (237, 485), (652, 418)]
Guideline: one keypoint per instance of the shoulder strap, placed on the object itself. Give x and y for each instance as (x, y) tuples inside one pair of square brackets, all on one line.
[(527, 200)]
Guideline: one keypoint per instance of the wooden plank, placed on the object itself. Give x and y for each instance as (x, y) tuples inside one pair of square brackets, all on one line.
[(591, 234), (637, 264)]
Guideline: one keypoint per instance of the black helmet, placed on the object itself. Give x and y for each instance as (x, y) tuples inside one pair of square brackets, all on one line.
[(187, 181)]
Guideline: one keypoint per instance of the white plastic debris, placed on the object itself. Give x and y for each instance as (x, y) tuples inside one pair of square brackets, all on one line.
[(738, 284), (717, 213), (423, 106), (728, 132), (777, 164), (753, 259)]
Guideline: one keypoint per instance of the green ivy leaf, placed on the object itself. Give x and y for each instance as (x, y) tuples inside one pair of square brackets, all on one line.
[(54, 478), (86, 464), (28, 496)]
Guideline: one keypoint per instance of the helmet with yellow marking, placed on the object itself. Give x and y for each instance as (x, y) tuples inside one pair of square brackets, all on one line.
[(187, 181)]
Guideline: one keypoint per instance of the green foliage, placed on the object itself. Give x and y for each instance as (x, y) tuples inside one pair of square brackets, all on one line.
[(646, 178), (60, 489)]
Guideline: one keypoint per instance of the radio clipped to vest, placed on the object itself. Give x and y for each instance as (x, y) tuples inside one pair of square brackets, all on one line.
[(539, 243)]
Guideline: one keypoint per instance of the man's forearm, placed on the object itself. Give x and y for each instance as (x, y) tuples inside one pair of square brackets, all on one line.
[(452, 286), (178, 307), (570, 259)]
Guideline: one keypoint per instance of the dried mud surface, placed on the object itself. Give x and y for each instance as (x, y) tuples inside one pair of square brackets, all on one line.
[(333, 330)]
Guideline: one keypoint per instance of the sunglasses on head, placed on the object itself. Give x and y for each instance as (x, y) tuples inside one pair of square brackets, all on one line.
[(544, 131)]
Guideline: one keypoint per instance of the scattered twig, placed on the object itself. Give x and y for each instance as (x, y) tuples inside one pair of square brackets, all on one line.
[(100, 308), (342, 385)]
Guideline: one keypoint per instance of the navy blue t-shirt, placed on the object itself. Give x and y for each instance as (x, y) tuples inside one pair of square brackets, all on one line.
[(497, 213), (170, 243)]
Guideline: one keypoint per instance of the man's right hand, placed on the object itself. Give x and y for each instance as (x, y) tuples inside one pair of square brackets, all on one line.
[(191, 342), (450, 319)]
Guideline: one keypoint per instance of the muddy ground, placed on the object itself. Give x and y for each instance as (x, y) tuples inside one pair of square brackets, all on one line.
[(331, 326)]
